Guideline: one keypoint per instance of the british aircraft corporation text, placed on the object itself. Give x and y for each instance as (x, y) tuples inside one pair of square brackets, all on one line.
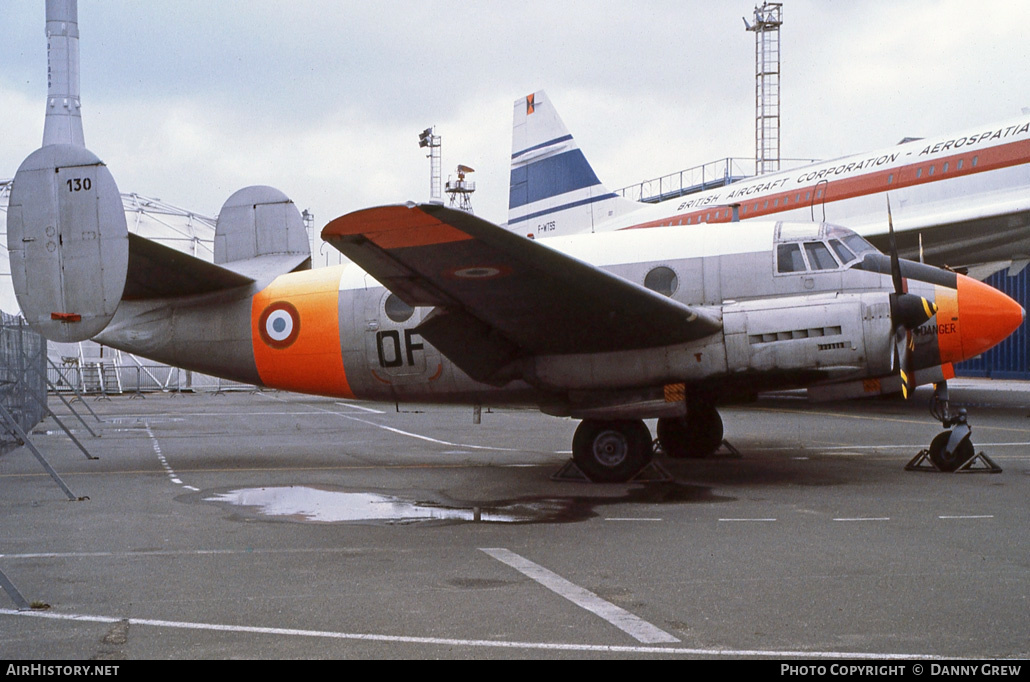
[(809, 177)]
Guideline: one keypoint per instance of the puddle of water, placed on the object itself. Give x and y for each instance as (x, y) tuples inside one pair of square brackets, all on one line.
[(328, 506)]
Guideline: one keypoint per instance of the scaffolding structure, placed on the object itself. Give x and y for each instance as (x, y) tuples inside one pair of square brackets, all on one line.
[(461, 189), (766, 27)]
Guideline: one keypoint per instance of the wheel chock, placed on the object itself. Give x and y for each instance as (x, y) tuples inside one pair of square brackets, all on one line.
[(979, 463), (653, 472)]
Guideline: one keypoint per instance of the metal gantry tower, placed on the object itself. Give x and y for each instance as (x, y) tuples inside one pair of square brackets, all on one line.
[(766, 28)]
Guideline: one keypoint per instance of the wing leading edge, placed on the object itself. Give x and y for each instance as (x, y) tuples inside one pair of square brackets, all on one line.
[(500, 297)]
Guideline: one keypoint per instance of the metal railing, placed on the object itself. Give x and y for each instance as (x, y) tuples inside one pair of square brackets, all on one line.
[(699, 178)]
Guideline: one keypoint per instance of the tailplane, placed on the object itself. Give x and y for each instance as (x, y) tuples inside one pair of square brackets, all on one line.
[(553, 189)]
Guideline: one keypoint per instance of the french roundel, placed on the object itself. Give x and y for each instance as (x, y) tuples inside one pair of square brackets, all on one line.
[(279, 325), (477, 272)]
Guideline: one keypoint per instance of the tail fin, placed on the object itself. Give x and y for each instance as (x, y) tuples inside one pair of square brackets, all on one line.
[(553, 189)]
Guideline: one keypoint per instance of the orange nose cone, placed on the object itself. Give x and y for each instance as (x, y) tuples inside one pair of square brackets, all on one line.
[(986, 316)]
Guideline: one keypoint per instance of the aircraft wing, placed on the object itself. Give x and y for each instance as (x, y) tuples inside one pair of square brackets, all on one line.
[(500, 296)]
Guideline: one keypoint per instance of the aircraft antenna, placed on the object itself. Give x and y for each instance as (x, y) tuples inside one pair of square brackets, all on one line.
[(428, 139), (461, 189), (766, 28)]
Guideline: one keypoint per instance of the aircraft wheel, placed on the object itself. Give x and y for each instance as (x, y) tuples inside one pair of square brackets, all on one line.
[(697, 435), (611, 451), (945, 462)]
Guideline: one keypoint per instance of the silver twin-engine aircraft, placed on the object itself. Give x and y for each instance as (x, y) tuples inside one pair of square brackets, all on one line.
[(444, 307)]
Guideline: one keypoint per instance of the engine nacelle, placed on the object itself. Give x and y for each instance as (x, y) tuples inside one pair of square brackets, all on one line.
[(68, 242)]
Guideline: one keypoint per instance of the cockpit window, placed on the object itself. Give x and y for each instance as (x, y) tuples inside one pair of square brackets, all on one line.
[(845, 254), (789, 259), (818, 247), (859, 245), (819, 256)]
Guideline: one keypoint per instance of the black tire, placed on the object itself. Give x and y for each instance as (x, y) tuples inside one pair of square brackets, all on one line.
[(611, 451), (963, 453), (697, 435)]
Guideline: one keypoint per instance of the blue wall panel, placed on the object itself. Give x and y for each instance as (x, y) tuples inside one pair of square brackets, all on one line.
[(1011, 358)]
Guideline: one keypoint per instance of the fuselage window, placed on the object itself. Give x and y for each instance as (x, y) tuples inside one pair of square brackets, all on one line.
[(975, 159), (819, 256), (789, 259), (931, 170), (890, 179), (919, 172), (663, 280), (944, 169), (958, 166), (397, 310)]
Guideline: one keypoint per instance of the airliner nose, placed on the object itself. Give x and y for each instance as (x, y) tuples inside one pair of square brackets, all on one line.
[(986, 317)]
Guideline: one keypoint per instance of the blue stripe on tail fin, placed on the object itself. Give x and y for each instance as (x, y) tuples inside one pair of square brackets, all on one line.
[(553, 189)]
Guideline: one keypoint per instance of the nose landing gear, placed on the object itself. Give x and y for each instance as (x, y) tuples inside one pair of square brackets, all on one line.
[(951, 450)]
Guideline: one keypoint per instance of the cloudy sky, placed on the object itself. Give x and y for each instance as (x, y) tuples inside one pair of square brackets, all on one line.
[(190, 100)]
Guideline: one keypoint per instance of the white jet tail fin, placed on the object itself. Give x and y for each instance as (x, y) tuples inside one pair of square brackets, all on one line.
[(553, 189)]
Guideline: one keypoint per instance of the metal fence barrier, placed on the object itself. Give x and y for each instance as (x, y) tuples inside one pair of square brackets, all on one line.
[(23, 361), (111, 378)]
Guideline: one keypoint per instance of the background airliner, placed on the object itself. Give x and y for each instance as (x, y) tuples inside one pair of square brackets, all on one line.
[(958, 199)]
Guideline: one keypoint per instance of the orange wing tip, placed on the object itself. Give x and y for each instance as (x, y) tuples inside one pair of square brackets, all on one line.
[(392, 227)]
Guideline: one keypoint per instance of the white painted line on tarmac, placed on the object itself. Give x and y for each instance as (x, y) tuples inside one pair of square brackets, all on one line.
[(164, 462), (634, 518), (418, 436), (635, 627), (482, 643), (342, 403), (745, 520), (864, 518), (968, 516)]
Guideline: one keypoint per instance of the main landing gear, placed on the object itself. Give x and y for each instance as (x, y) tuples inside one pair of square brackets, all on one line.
[(951, 450), (611, 451), (614, 451)]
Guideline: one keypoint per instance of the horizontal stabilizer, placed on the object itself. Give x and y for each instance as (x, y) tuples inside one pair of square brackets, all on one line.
[(157, 271)]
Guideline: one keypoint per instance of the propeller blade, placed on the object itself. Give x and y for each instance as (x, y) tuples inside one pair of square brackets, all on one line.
[(899, 283), (904, 345)]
